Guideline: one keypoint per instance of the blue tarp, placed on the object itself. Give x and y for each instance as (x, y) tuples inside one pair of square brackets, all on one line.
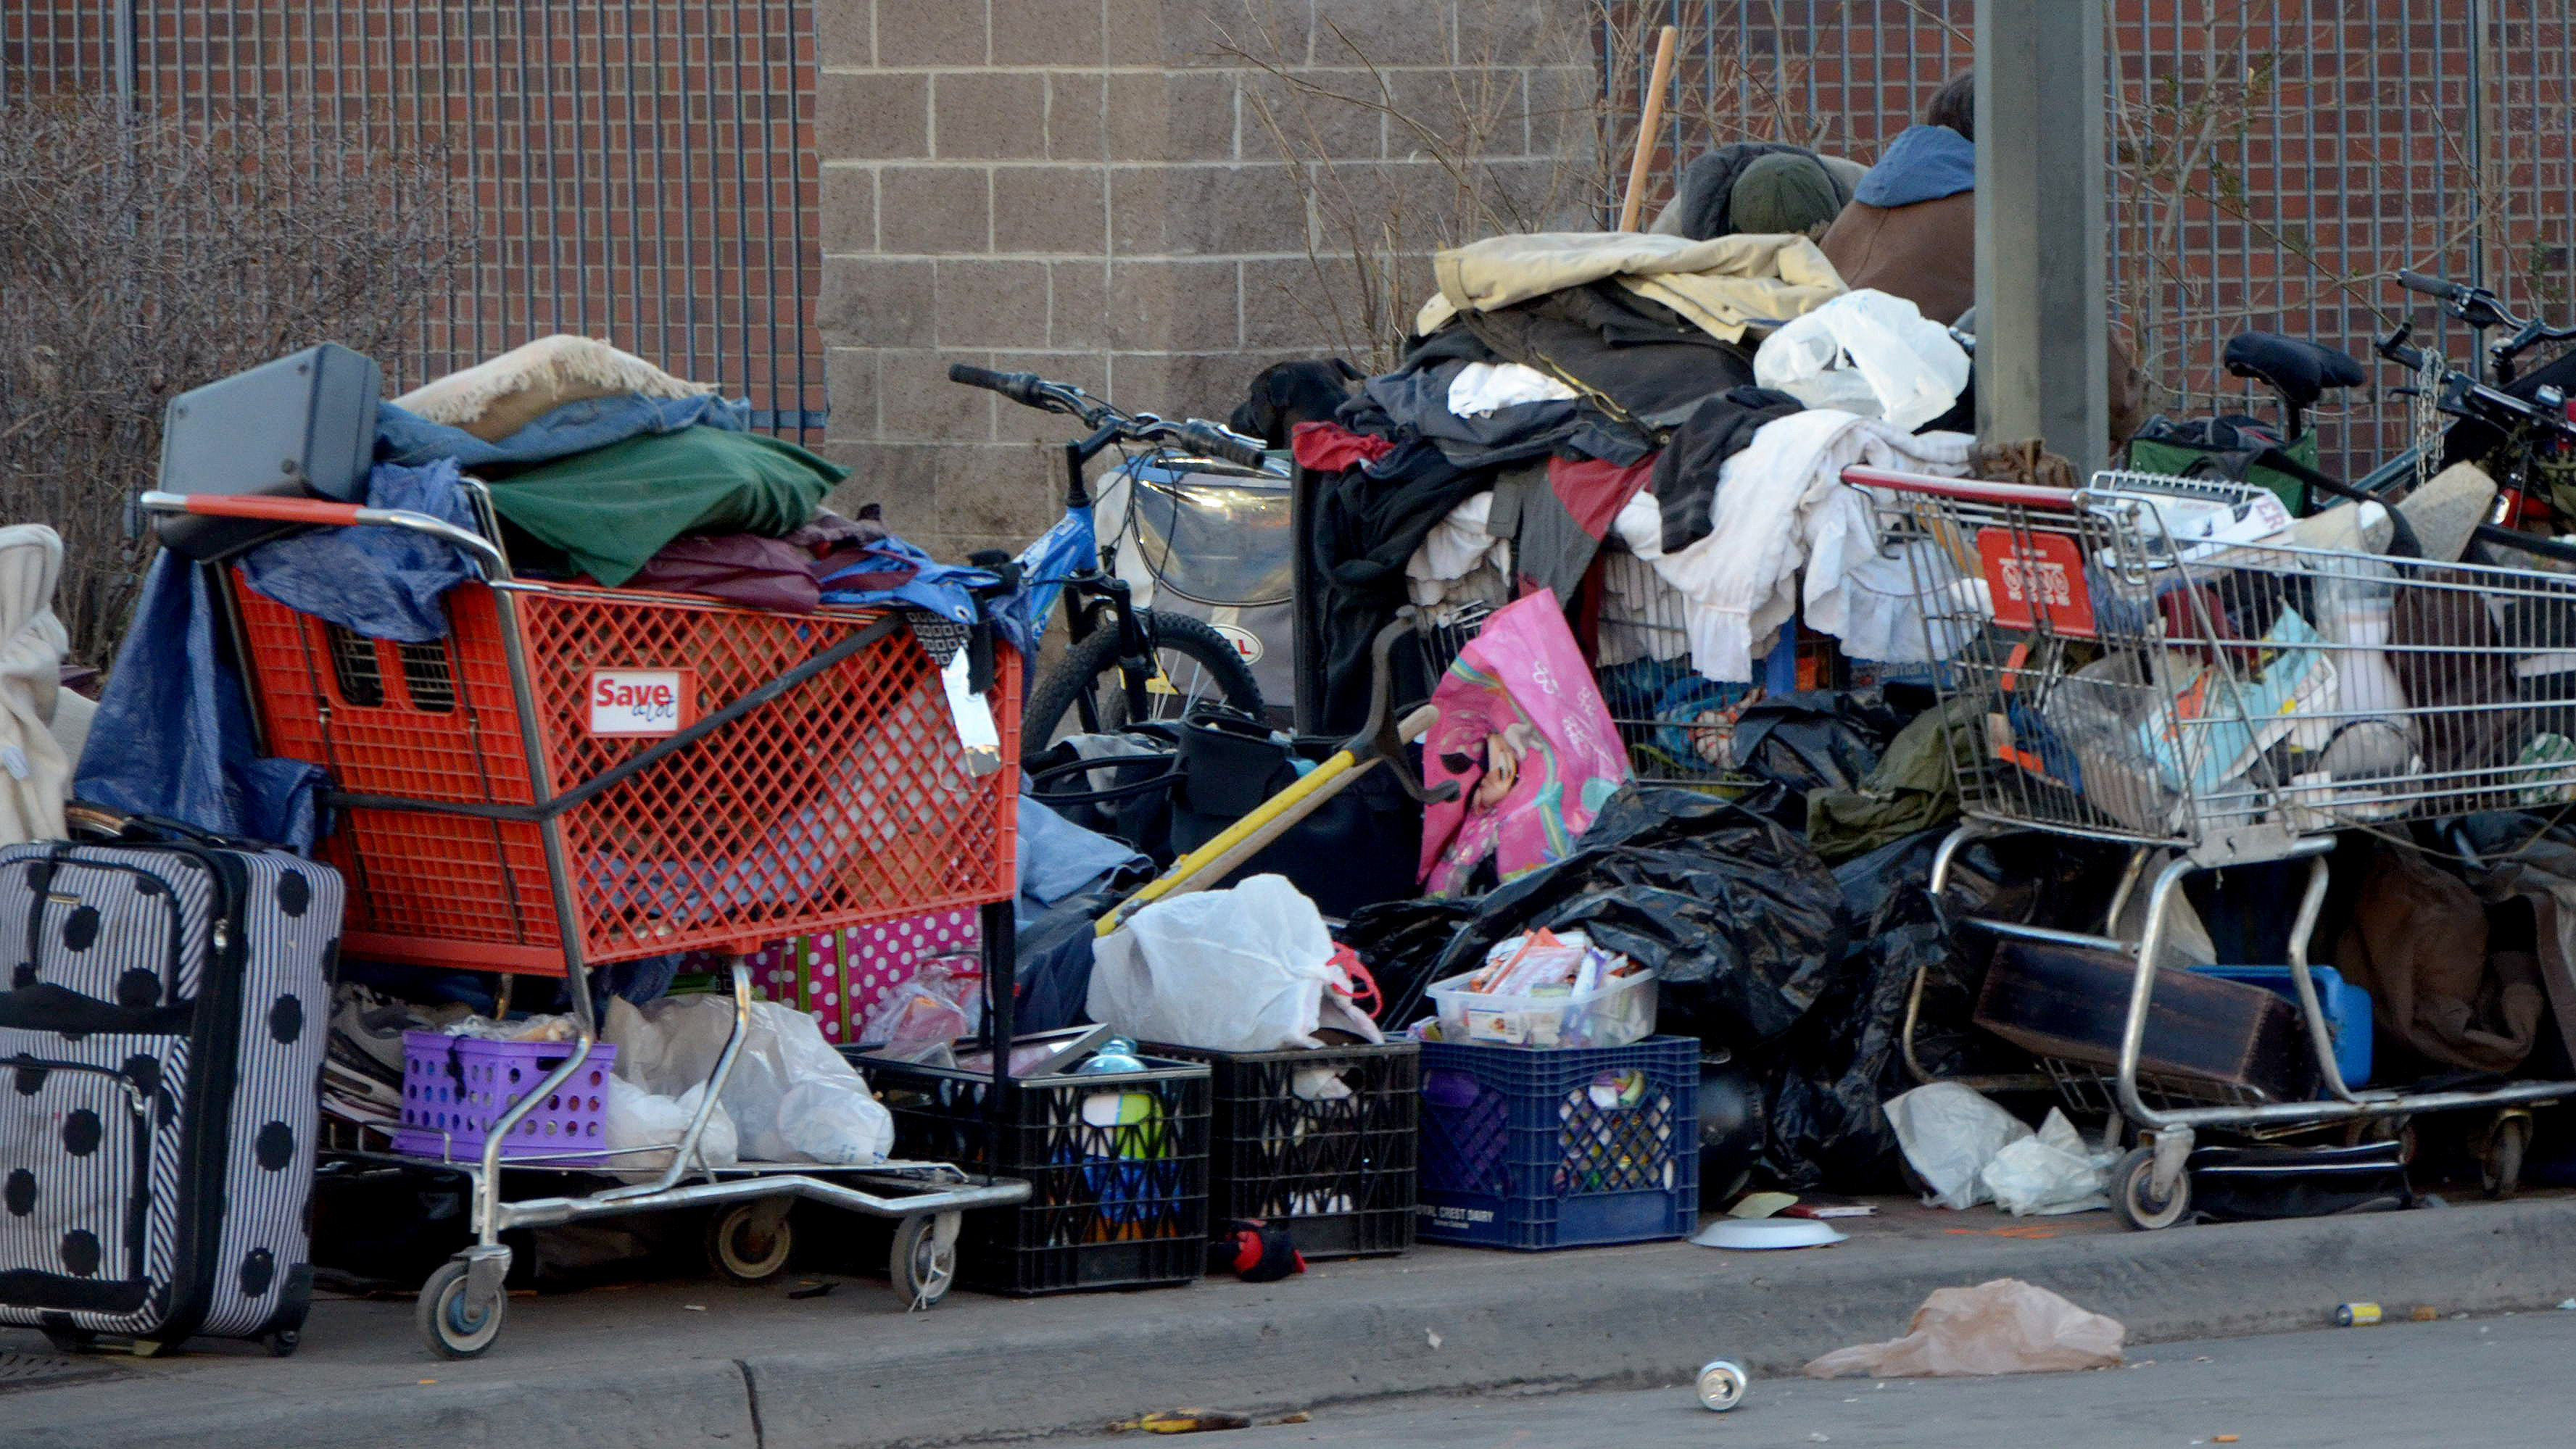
[(384, 583), (173, 734), (408, 438)]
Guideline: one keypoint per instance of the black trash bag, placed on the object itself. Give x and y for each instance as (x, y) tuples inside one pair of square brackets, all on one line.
[(1400, 943), (1735, 913), (1827, 1078), (1815, 740)]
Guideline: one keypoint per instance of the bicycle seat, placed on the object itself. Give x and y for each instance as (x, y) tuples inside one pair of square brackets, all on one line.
[(2298, 370)]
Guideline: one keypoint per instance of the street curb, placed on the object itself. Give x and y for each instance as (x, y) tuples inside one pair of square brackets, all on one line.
[(1604, 1318), (1624, 1324)]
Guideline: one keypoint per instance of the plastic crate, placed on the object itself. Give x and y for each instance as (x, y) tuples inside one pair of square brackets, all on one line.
[(1120, 1203), (455, 1087), (1337, 1174), (1528, 1148), (2347, 1009)]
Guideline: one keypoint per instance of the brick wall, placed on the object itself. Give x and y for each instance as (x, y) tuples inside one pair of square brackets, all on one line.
[(1087, 189)]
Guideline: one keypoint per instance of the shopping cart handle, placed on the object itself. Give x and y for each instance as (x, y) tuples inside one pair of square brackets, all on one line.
[(255, 505), (1973, 490), (324, 513)]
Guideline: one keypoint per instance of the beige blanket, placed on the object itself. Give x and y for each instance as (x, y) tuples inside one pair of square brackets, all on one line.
[(1723, 286)]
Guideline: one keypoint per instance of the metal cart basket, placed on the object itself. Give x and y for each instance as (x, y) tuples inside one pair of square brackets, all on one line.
[(2157, 667), (580, 775)]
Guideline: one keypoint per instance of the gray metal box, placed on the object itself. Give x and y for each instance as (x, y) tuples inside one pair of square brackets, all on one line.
[(302, 426)]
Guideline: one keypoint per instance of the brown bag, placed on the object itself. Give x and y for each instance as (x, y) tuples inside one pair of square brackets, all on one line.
[(2418, 945)]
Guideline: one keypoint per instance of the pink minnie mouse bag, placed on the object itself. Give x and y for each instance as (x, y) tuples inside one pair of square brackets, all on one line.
[(1523, 731)]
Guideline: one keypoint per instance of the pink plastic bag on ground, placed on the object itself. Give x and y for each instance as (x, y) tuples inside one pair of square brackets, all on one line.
[(1523, 731), (2002, 1326)]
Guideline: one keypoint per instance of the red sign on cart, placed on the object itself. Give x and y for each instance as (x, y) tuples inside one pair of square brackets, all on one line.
[(2033, 577), (642, 702)]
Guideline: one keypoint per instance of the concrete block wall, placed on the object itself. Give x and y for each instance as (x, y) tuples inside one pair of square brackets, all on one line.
[(1087, 189)]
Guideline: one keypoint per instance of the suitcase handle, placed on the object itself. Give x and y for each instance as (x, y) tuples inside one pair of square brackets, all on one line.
[(323, 513), (83, 817)]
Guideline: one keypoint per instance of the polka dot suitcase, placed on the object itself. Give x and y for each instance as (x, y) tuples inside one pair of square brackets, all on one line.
[(161, 1046)]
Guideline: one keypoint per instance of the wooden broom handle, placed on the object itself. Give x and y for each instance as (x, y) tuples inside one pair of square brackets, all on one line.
[(1651, 122)]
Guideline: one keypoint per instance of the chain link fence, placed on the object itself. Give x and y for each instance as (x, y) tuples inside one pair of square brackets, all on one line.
[(640, 170), (2270, 162)]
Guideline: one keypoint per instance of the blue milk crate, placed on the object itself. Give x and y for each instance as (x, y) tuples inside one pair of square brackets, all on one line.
[(2347, 1009), (1531, 1148)]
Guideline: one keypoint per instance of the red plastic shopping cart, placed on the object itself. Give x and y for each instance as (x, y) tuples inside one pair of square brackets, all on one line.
[(579, 775)]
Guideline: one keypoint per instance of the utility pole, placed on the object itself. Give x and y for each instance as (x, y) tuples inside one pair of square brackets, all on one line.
[(2042, 308)]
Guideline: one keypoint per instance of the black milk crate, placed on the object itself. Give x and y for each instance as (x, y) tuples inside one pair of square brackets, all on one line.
[(1531, 1148), (1117, 1194), (1338, 1173)]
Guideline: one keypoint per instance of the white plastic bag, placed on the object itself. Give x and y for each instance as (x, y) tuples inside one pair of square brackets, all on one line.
[(638, 1118), (1240, 970), (673, 1045), (2051, 1173), (2001, 1326), (1950, 1132), (1869, 353)]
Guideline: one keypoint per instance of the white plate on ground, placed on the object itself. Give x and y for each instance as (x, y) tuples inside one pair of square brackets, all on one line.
[(1758, 1233)]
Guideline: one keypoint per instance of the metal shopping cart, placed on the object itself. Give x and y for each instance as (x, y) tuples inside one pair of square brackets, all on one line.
[(579, 775), (1678, 725), (2157, 669)]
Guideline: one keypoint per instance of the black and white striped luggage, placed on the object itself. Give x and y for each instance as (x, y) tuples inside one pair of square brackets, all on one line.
[(161, 1046)]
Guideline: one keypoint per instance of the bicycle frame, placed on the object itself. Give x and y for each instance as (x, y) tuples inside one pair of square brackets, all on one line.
[(1064, 564)]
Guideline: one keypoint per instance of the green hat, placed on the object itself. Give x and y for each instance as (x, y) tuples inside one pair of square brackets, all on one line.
[(1785, 192)]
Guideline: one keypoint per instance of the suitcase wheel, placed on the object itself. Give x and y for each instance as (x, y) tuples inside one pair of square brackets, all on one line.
[(284, 1342)]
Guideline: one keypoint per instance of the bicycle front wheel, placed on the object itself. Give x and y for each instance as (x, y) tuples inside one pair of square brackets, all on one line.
[(1193, 666)]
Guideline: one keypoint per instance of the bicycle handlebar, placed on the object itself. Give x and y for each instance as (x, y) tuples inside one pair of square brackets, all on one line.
[(1196, 436), (2431, 286), (1205, 437), (1023, 388)]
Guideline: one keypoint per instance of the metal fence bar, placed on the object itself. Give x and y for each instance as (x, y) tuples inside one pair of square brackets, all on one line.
[(2419, 133), (585, 160)]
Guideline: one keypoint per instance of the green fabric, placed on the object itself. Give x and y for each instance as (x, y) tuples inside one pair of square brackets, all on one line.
[(2174, 460), (1914, 787), (611, 509), (1783, 192)]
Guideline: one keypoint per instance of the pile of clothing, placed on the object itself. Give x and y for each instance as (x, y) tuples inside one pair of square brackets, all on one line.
[(1688, 395)]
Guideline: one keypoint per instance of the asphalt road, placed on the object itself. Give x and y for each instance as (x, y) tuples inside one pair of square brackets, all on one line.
[(2498, 1383)]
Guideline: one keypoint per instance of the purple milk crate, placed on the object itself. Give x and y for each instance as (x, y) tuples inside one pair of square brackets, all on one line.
[(455, 1087)]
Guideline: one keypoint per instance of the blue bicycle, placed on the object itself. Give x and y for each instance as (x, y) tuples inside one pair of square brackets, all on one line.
[(1122, 664)]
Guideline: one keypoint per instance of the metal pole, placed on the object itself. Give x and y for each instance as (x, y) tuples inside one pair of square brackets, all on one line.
[(2477, 109), (2042, 334)]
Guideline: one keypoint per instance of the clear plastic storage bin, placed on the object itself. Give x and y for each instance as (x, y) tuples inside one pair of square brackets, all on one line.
[(1614, 1015)]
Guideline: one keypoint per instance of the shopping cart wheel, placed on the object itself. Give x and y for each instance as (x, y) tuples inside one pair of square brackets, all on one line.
[(924, 1262), (2133, 1193), (749, 1243), (2500, 1161), (450, 1321)]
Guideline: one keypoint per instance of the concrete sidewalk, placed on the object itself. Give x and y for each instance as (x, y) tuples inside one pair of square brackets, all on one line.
[(697, 1363)]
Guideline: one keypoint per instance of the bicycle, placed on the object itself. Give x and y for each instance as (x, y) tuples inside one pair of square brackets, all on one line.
[(1123, 664), (2520, 430)]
